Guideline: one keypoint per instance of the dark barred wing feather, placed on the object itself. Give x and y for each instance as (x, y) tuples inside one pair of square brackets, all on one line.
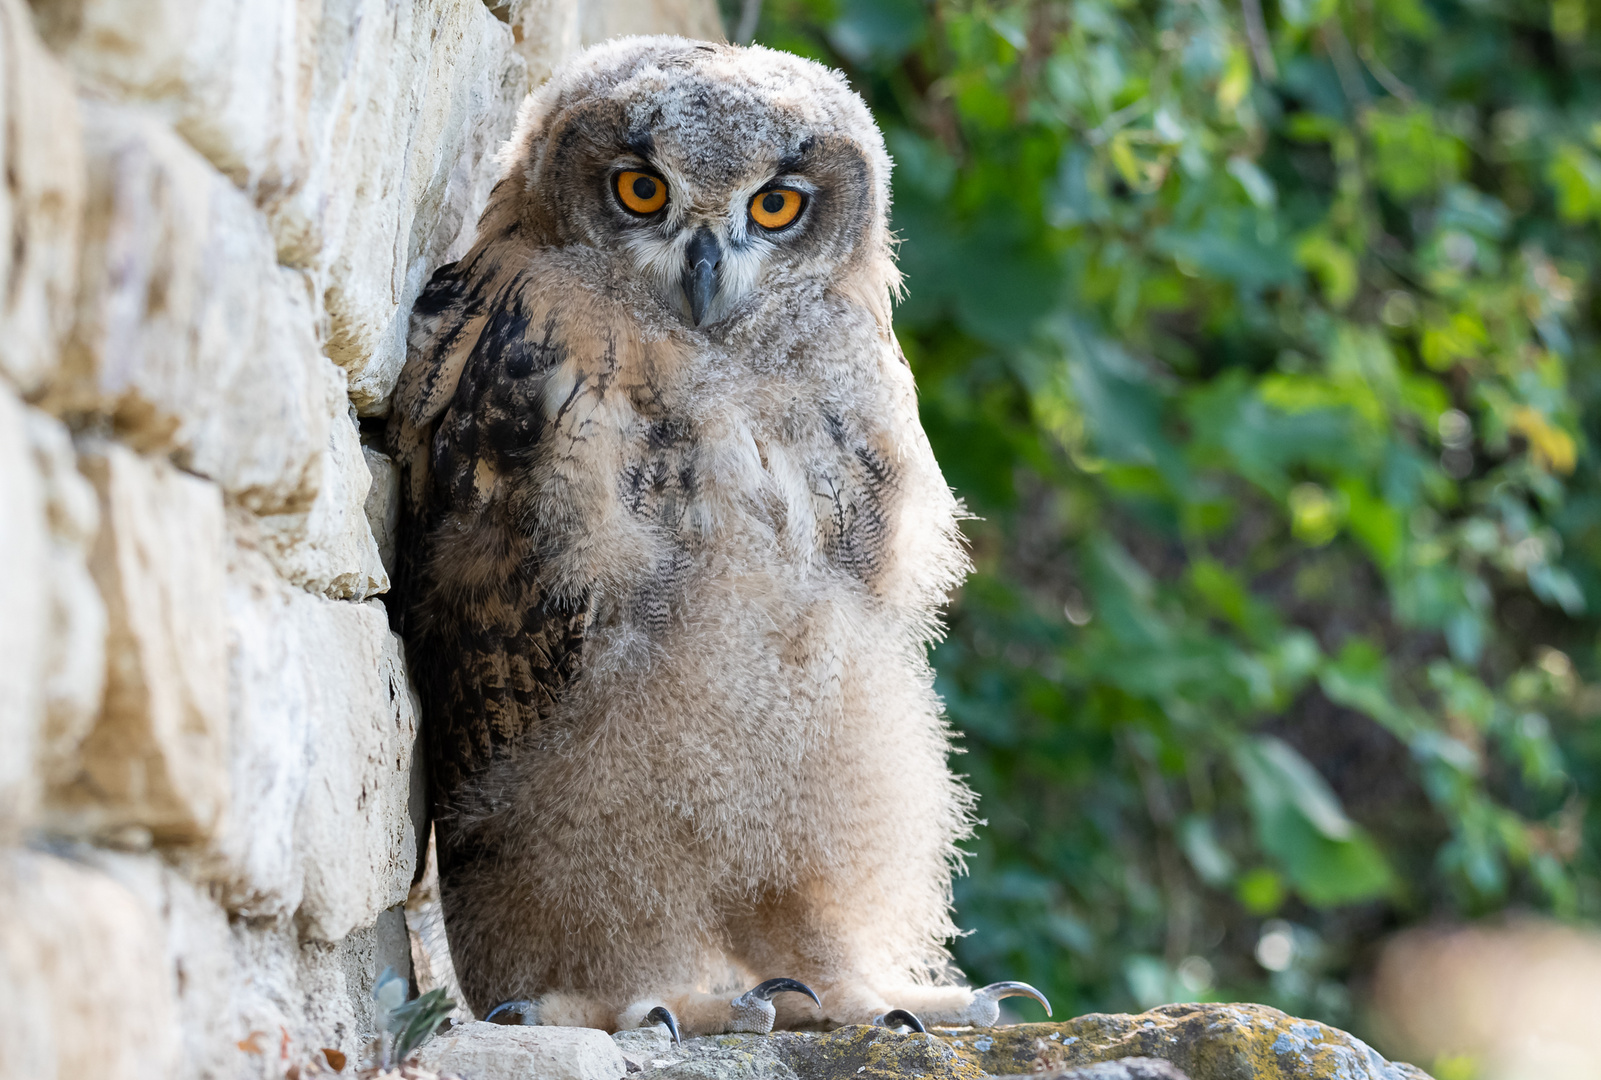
[(490, 649)]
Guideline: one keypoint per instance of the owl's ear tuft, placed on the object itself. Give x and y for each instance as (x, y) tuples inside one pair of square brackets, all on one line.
[(517, 155)]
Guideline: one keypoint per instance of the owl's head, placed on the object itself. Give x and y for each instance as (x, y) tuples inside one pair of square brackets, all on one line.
[(714, 173)]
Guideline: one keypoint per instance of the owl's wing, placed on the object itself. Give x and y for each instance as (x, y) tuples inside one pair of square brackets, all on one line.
[(490, 646)]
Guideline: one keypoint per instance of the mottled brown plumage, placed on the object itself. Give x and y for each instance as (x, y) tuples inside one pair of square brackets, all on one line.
[(673, 548)]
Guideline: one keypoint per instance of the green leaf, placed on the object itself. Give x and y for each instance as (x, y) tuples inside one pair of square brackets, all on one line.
[(1327, 859)]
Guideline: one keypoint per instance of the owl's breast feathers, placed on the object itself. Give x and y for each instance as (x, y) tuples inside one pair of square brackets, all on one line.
[(566, 469)]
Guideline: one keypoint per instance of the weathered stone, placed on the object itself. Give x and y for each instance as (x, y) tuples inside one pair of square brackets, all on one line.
[(229, 74), (74, 668), (24, 631), (690, 18), (481, 1051), (270, 724), (336, 981), (1208, 1042), (544, 33), (197, 960), (409, 104), (41, 200), (1123, 1069), (188, 332), (157, 756), (83, 982), (330, 548), (323, 724), (720, 1057), (355, 830), (383, 504), (642, 1047), (319, 994), (1509, 1001), (365, 129), (53, 634), (850, 1053)]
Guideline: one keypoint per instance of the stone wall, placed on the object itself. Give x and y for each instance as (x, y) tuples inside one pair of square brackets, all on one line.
[(216, 215)]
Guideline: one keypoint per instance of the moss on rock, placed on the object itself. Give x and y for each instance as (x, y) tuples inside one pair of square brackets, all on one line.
[(1208, 1042), (870, 1053)]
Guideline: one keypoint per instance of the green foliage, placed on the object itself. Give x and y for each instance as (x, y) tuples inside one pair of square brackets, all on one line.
[(406, 1025), (1268, 360)]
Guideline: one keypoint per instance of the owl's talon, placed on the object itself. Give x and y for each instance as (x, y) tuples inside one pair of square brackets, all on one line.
[(515, 1013), (661, 1014), (753, 1010), (766, 990), (899, 1018), (994, 992)]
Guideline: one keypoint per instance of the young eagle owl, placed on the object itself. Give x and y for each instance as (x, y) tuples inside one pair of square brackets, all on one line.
[(673, 548)]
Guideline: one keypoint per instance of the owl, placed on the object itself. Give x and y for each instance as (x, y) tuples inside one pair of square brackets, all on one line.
[(673, 548)]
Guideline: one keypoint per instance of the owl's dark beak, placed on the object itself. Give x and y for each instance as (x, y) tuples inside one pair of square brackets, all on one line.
[(702, 258)]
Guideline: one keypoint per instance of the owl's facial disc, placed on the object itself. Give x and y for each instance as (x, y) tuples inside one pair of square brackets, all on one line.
[(706, 244)]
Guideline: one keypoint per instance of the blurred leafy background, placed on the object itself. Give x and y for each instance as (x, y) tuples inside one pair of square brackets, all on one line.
[(1260, 337)]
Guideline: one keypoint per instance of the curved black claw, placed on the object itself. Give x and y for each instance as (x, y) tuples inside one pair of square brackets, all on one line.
[(513, 1012), (900, 1018), (766, 990), (661, 1014), (997, 991)]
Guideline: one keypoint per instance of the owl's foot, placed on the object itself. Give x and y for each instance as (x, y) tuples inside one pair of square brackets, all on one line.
[(984, 1008), (514, 1012), (896, 1019), (953, 1006), (697, 1013), (661, 1014), (753, 1010)]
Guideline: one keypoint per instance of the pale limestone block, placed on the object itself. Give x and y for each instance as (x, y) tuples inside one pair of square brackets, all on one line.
[(486, 1051), (188, 332), (319, 992), (271, 718), (84, 986), (233, 76), (545, 33), (383, 503), (74, 666), (25, 600), (41, 200), (355, 831), (197, 957), (409, 104), (52, 638), (330, 548), (157, 756), (323, 728), (600, 20), (266, 998), (337, 978)]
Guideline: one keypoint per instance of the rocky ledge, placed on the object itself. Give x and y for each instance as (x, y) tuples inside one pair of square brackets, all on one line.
[(1174, 1042)]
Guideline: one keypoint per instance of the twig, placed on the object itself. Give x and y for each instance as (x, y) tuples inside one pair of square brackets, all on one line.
[(1386, 77), (1118, 120), (1256, 35), (1345, 66)]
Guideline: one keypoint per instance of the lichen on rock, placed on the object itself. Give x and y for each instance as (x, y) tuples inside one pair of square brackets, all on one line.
[(1206, 1041), (1197, 1042)]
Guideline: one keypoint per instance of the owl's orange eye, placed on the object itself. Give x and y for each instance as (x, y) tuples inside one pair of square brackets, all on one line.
[(776, 208), (641, 192)]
